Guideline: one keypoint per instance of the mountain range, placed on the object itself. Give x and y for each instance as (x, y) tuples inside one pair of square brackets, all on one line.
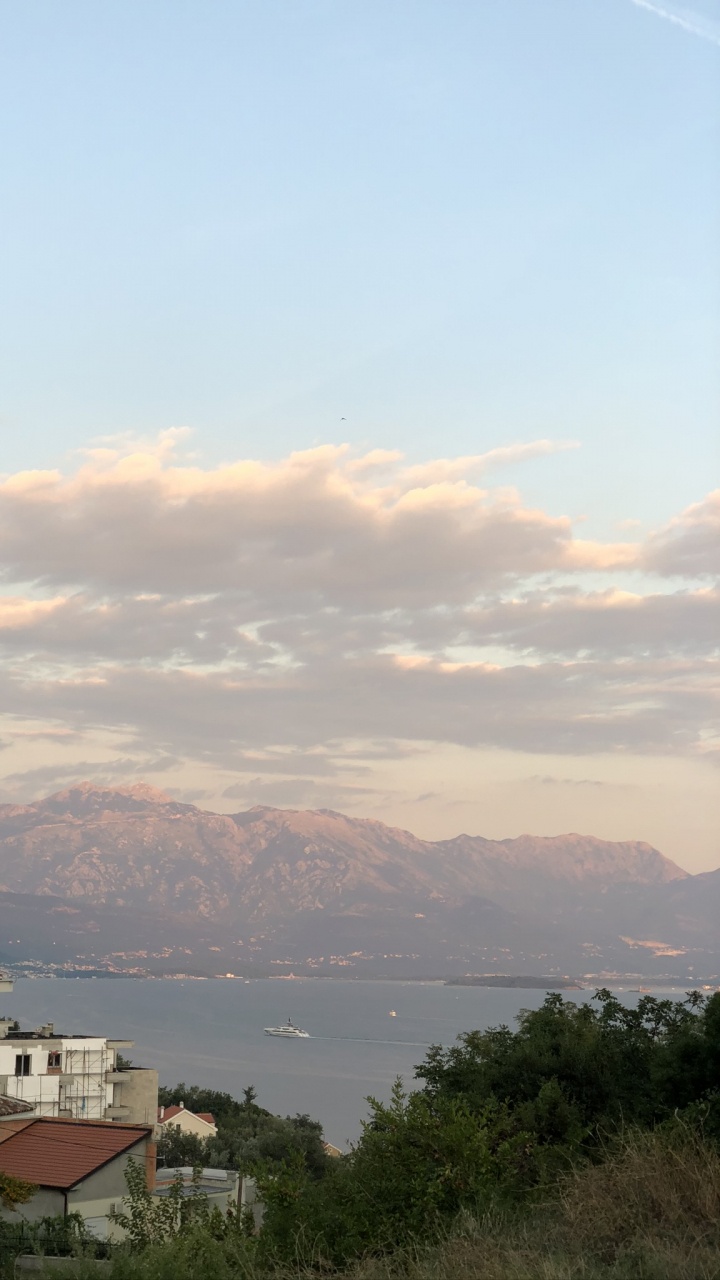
[(130, 879)]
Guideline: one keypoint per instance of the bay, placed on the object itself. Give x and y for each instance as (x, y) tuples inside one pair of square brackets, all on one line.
[(211, 1033)]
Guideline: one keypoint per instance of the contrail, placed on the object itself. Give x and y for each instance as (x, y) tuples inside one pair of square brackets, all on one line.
[(695, 27)]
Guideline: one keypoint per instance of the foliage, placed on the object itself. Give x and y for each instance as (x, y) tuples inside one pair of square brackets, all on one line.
[(608, 1066), (195, 1254), (176, 1149), (223, 1106), (148, 1219), (62, 1233), (590, 1134), (648, 1210), (247, 1133), (417, 1164), (15, 1191)]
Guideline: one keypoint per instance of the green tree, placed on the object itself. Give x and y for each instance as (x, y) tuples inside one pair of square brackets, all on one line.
[(247, 1133), (608, 1066), (418, 1162), (176, 1149)]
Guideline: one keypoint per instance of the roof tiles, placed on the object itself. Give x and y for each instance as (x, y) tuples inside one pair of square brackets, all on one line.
[(14, 1106), (60, 1153), (172, 1112)]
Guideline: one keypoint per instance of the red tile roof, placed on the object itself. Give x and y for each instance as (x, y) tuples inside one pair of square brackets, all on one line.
[(9, 1127), (60, 1153), (170, 1113)]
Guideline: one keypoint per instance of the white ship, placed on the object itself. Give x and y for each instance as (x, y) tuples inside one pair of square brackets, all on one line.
[(289, 1030)]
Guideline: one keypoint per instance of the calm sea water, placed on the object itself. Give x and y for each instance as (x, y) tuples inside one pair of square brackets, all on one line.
[(211, 1033)]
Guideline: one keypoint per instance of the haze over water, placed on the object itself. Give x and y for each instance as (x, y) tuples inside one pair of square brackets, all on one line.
[(211, 1033)]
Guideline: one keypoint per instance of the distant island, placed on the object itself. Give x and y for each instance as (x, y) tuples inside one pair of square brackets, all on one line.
[(522, 981)]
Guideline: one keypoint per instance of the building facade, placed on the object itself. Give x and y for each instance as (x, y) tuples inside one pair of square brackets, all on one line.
[(74, 1077)]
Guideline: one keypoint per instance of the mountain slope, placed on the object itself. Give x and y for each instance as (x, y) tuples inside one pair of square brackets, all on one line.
[(127, 877), (136, 846)]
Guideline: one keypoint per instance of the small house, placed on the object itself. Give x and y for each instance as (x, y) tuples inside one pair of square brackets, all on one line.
[(78, 1166), (201, 1123)]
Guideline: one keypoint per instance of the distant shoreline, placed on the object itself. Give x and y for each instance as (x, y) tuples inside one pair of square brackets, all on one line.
[(523, 982)]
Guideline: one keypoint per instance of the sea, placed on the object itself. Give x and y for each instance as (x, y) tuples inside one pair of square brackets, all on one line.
[(211, 1032)]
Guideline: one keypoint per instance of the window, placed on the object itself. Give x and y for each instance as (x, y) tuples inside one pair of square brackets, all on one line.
[(54, 1061), (22, 1064)]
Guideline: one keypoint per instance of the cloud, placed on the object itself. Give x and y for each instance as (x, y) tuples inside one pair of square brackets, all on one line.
[(610, 623), (107, 771), (693, 23), (311, 525), (216, 718), (285, 627), (689, 546), (298, 793)]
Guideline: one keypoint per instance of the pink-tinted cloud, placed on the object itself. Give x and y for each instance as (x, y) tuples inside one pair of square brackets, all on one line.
[(313, 523), (689, 546), (302, 619)]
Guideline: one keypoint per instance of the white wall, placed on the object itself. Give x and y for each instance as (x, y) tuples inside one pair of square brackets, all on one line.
[(85, 1095)]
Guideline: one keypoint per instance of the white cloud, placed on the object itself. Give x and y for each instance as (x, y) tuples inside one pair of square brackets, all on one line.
[(695, 24)]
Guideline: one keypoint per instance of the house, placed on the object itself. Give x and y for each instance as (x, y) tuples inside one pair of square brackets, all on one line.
[(74, 1076), (201, 1123), (78, 1166)]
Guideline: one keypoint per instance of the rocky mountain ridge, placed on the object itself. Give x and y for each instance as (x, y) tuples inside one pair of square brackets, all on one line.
[(136, 846), (316, 889)]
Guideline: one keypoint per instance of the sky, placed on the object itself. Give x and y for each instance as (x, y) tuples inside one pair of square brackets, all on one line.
[(360, 409)]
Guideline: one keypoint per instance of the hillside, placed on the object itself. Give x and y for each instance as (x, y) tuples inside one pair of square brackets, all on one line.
[(298, 885)]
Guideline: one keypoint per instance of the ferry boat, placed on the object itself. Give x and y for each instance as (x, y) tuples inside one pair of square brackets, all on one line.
[(289, 1031)]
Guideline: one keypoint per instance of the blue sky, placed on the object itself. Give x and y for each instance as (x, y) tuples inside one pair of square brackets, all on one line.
[(438, 228), (467, 222)]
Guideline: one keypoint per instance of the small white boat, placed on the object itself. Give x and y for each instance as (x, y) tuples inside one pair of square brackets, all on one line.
[(392, 1014), (289, 1031)]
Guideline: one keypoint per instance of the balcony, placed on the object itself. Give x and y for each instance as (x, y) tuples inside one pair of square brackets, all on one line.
[(116, 1113), (113, 1076)]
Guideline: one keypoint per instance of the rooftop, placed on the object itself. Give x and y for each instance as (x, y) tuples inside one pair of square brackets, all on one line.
[(14, 1106), (171, 1112), (60, 1153)]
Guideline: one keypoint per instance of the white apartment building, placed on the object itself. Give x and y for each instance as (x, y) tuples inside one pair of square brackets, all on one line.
[(73, 1076)]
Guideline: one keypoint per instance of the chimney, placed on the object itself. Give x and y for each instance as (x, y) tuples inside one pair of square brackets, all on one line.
[(182, 1106), (162, 1112)]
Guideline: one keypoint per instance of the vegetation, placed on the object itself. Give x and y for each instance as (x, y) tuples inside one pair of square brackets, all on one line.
[(14, 1191), (648, 1211), (248, 1135), (502, 1118), (585, 1145)]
